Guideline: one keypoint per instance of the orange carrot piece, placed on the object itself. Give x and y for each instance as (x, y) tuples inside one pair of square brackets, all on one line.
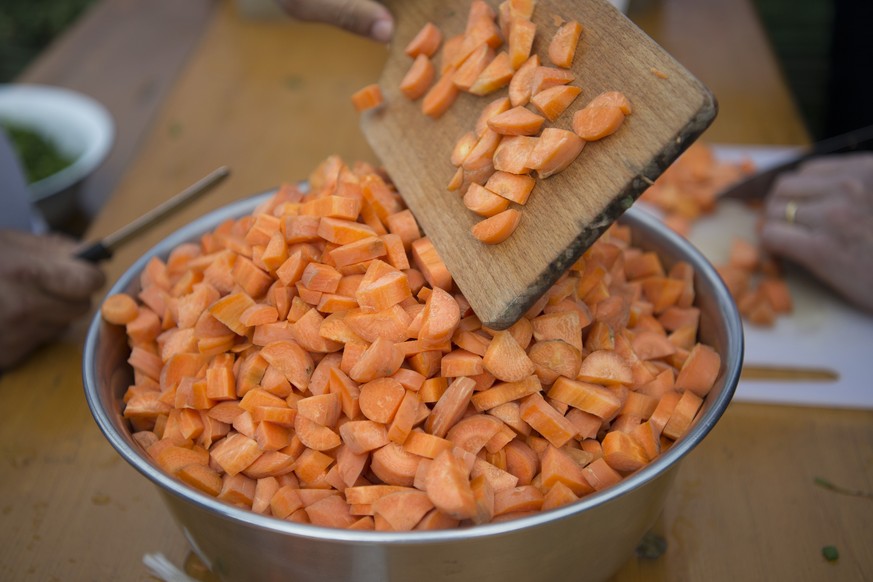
[(430, 264), (380, 398), (292, 360), (616, 98), (682, 415), (516, 121), (471, 433), (552, 102), (496, 107), (506, 359), (497, 228), (496, 75), (505, 392), (381, 358), (484, 202), (520, 87), (594, 123), (554, 151), (514, 187), (513, 154), (448, 486), (600, 475), (623, 452), (559, 467), (440, 96), (547, 421), (517, 499), (403, 509), (119, 309), (605, 367), (562, 47), (700, 370), (368, 97), (393, 465), (234, 453), (425, 42), (521, 37), (472, 67), (450, 408), (544, 77)]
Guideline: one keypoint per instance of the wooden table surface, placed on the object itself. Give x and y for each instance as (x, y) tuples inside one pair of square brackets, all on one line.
[(259, 97)]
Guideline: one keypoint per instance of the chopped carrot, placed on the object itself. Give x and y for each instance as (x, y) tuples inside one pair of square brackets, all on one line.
[(544, 77), (594, 123), (496, 75), (521, 37), (516, 121), (616, 98), (497, 228), (448, 486), (472, 67), (119, 309), (513, 154), (521, 84), (552, 102), (700, 370), (483, 201), (425, 42), (496, 107), (555, 149), (368, 97), (440, 96), (562, 47)]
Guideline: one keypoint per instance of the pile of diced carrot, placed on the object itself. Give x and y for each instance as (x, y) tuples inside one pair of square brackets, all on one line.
[(510, 142), (313, 361), (689, 189)]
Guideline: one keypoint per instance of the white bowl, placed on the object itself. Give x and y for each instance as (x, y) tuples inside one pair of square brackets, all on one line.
[(80, 127)]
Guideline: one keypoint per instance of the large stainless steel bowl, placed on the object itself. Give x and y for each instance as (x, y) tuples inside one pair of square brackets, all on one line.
[(588, 540)]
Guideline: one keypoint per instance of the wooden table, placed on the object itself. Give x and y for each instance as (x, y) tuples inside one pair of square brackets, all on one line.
[(257, 96)]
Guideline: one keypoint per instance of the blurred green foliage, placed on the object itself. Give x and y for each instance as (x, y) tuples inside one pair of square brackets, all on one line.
[(28, 26)]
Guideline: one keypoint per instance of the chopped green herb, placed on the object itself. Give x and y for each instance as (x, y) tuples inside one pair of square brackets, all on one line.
[(40, 158), (652, 546), (830, 553)]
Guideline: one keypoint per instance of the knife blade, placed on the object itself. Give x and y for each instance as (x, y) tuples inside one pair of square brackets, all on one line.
[(757, 186), (103, 248)]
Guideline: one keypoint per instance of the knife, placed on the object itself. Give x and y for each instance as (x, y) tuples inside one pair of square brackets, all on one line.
[(757, 186), (103, 249)]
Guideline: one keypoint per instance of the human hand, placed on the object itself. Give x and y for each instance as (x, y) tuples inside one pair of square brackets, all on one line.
[(43, 289), (821, 217), (364, 17)]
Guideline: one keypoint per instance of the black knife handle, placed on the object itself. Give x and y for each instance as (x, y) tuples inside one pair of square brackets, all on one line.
[(94, 253)]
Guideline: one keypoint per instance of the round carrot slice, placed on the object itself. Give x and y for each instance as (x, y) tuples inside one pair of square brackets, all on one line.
[(496, 229)]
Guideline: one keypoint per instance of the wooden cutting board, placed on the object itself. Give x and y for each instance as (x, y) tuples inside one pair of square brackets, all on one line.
[(568, 211)]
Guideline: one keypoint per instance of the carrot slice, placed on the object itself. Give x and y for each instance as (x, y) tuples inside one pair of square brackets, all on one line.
[(562, 47), (521, 84), (616, 98), (516, 121), (119, 309), (700, 370), (483, 201), (497, 228), (419, 78), (521, 37), (514, 187), (368, 97), (425, 42), (554, 150), (594, 123), (448, 486), (472, 67), (552, 102), (440, 96), (496, 75), (513, 154), (496, 107)]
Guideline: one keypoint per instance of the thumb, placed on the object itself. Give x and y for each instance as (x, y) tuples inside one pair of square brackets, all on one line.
[(363, 17)]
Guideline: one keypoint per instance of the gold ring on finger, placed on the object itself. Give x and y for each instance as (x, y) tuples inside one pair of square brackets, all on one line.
[(791, 212)]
